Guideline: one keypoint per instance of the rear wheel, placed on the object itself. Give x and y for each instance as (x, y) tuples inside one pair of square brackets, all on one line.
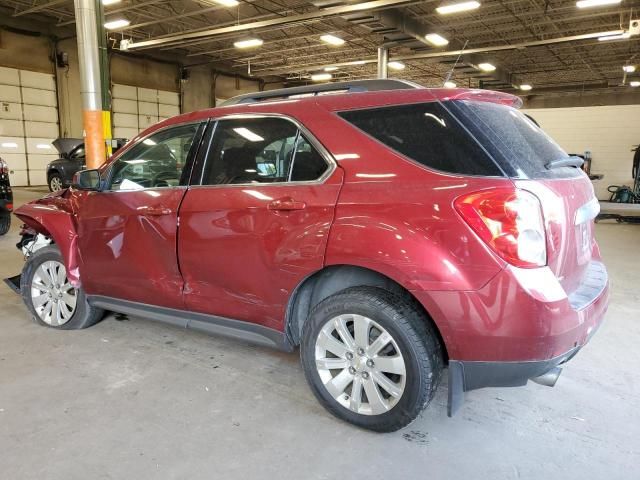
[(55, 182), (5, 223), (371, 358), (49, 295)]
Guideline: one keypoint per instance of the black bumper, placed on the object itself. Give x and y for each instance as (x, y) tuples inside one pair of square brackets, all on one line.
[(465, 376)]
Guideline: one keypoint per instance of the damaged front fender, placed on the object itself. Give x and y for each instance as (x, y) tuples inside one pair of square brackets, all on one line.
[(54, 217)]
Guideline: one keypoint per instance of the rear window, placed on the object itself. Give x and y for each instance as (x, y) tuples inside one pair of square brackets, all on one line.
[(521, 148), (427, 134)]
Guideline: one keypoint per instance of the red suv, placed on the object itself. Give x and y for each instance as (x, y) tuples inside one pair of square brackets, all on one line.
[(389, 231)]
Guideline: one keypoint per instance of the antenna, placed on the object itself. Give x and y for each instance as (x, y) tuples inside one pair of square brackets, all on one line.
[(450, 74)]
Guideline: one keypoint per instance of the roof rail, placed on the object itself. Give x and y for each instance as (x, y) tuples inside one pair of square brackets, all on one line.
[(323, 89)]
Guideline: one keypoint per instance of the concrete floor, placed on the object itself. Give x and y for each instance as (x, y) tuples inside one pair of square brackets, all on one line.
[(133, 399)]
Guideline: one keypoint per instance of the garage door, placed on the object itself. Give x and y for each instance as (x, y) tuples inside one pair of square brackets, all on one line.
[(135, 108), (28, 124)]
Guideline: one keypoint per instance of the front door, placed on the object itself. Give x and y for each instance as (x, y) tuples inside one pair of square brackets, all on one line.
[(127, 232), (257, 223)]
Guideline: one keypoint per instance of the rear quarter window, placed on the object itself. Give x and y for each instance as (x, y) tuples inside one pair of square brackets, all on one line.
[(518, 144), (428, 134)]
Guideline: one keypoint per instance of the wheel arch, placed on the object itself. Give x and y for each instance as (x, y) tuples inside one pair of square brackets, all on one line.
[(335, 278), (58, 225)]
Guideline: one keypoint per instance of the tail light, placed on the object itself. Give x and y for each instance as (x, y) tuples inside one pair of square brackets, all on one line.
[(510, 221)]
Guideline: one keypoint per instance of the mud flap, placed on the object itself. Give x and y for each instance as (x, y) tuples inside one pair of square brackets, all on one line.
[(13, 283)]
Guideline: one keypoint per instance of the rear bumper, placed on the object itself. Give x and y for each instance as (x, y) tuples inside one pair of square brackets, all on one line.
[(520, 326), (519, 316)]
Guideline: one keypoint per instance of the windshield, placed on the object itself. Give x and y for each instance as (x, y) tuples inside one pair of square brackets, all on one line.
[(521, 148)]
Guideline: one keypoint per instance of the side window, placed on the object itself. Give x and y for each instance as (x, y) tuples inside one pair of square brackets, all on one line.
[(157, 161), (308, 164), (78, 153), (260, 150), (427, 134)]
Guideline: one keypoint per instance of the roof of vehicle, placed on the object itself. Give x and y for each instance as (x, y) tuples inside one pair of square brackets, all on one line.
[(355, 100)]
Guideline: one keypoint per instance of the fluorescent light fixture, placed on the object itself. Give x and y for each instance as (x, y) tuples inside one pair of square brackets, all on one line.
[(449, 84), (396, 65), (359, 62), (332, 40), (629, 68), (635, 83), (248, 134), (436, 40), (248, 43), (596, 3), (486, 67), (330, 69), (227, 3), (115, 24), (43, 146), (9, 145), (110, 2), (526, 87), (457, 7), (321, 77), (621, 36)]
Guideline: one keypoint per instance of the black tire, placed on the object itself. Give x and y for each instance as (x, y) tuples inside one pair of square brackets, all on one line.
[(84, 314), (411, 331), (55, 177), (5, 223)]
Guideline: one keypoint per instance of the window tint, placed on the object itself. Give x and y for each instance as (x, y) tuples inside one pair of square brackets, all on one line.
[(520, 146), (78, 153), (156, 161), (259, 150), (426, 133), (308, 164)]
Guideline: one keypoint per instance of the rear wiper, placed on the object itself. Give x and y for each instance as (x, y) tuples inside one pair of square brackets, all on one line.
[(565, 162)]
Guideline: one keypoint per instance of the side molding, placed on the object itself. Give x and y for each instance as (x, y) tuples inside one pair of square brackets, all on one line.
[(212, 324)]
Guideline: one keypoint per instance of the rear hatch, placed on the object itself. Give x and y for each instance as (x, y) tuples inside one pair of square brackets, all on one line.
[(523, 151)]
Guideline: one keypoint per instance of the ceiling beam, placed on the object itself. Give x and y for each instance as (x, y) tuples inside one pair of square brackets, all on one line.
[(288, 20), (37, 8)]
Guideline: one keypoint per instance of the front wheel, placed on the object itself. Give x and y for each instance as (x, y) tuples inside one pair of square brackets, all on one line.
[(49, 295), (55, 182), (371, 358), (5, 223)]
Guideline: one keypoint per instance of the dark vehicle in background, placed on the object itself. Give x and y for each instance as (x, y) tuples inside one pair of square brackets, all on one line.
[(60, 172), (6, 198)]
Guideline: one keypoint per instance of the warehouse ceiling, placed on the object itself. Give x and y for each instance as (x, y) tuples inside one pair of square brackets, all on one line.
[(551, 45)]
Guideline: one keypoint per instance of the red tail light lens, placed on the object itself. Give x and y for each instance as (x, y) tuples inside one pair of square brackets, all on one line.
[(510, 222), (9, 206)]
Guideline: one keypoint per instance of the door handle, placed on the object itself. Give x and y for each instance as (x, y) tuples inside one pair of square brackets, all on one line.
[(156, 211), (286, 203)]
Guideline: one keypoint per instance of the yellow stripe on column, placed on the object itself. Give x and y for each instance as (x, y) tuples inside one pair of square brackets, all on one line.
[(106, 127)]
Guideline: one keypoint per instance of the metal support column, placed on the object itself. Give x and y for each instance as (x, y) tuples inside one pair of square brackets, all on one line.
[(383, 60), (105, 82), (90, 82)]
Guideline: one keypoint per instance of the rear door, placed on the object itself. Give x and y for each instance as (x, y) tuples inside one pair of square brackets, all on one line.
[(127, 233), (256, 222)]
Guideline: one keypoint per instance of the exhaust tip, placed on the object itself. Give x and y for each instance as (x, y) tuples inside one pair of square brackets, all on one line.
[(549, 378)]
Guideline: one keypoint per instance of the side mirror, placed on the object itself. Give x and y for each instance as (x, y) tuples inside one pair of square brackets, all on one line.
[(87, 180)]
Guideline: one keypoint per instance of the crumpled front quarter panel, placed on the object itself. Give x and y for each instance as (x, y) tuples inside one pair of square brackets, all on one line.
[(54, 216)]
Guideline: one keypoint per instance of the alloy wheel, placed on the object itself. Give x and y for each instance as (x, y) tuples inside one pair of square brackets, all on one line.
[(55, 184), (53, 297), (360, 364)]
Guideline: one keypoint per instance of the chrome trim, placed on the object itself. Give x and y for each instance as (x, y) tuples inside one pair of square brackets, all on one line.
[(588, 211)]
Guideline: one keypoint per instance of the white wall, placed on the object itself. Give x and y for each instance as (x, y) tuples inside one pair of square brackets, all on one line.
[(609, 132)]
